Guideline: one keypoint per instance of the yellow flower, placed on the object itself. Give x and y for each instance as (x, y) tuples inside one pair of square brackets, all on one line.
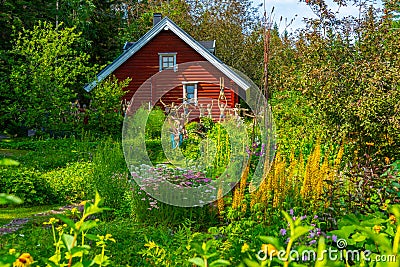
[(269, 250), (377, 228), (74, 211), (245, 248), (24, 260), (11, 251), (52, 221), (369, 144), (392, 219), (384, 206)]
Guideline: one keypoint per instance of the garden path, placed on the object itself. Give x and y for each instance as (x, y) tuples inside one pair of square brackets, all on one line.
[(17, 224)]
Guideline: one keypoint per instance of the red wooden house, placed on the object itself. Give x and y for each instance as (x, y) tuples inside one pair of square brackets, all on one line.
[(168, 64)]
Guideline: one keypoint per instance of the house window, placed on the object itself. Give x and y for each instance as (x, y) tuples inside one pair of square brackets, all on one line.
[(190, 92), (167, 61)]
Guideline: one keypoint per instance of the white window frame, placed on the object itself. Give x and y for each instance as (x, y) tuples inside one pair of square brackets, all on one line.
[(192, 100), (160, 60)]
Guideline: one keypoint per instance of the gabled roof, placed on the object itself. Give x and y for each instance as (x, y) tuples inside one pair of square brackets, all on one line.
[(167, 24)]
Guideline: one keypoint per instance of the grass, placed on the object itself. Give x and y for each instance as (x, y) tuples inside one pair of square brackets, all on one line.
[(12, 212)]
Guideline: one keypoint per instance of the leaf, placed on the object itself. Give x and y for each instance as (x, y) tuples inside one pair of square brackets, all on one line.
[(68, 241), (9, 199), (92, 237), (198, 261), (358, 237), (8, 162), (271, 240), (67, 221), (372, 222), (220, 262), (300, 230), (251, 263), (87, 225)]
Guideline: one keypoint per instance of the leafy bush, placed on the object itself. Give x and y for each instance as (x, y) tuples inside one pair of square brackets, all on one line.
[(105, 109), (26, 184), (72, 183), (155, 151)]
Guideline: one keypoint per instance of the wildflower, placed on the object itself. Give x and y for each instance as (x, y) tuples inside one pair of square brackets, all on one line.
[(291, 212), (312, 242), (74, 211), (384, 206), (269, 250), (369, 144), (334, 238), (392, 219), (51, 221), (282, 231), (24, 260), (11, 251), (245, 248), (377, 228)]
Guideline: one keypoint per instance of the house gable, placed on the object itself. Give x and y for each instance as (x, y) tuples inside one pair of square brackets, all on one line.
[(145, 62), (165, 26)]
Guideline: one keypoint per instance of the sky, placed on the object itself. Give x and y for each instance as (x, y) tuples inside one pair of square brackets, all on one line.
[(293, 9)]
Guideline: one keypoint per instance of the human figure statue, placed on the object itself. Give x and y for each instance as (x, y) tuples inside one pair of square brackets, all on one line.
[(185, 105), (209, 109), (202, 110), (222, 105), (173, 109), (167, 108)]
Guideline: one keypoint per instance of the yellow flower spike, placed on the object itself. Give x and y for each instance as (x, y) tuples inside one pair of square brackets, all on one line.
[(392, 219), (377, 228), (269, 250), (245, 248)]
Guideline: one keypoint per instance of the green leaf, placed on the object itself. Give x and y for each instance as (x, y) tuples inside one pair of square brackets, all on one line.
[(92, 237), (358, 237), (68, 241), (67, 221), (251, 263), (271, 240), (220, 262), (8, 162), (372, 222), (87, 225), (198, 261), (9, 199), (300, 230)]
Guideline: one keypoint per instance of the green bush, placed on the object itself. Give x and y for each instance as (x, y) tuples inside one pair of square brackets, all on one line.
[(155, 151), (72, 183), (155, 123), (26, 184)]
